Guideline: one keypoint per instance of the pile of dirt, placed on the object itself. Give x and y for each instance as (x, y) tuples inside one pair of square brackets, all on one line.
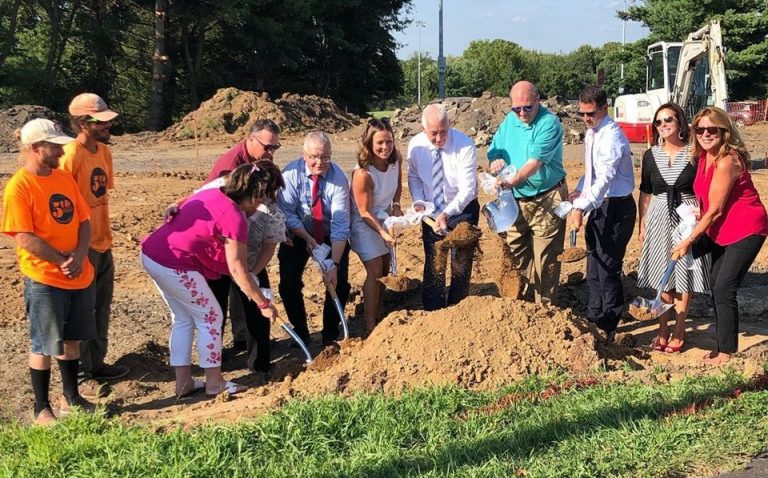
[(480, 343), (16, 116), (232, 112), (479, 118)]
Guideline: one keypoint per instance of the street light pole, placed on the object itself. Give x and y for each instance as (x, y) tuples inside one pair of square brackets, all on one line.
[(419, 24), (441, 60)]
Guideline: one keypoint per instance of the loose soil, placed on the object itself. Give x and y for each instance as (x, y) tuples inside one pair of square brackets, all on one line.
[(490, 339), (572, 254), (399, 283), (641, 313)]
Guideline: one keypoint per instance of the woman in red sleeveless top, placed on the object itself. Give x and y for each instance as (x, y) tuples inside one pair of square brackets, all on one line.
[(732, 215)]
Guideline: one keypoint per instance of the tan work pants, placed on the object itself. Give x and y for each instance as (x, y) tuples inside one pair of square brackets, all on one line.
[(535, 241)]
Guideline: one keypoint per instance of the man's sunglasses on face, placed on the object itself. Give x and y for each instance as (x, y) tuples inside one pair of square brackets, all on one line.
[(518, 109), (590, 114), (97, 122), (270, 148)]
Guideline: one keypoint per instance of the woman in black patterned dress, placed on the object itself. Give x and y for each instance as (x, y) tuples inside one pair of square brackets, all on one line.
[(666, 182)]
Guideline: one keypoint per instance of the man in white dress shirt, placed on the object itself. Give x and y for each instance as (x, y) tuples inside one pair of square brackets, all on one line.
[(442, 164), (605, 194)]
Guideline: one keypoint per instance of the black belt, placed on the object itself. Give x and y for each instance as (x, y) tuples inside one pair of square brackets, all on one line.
[(543, 193), (616, 199)]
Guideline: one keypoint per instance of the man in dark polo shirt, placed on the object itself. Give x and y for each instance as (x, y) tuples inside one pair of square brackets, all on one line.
[(261, 143)]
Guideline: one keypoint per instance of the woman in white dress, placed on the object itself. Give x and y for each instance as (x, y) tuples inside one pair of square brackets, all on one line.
[(666, 182), (376, 189)]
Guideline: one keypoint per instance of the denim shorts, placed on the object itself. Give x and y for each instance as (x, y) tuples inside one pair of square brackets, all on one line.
[(56, 315)]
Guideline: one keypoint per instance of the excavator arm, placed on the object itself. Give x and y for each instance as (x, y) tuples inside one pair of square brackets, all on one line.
[(703, 44)]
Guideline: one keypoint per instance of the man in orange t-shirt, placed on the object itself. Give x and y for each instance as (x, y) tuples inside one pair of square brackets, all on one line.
[(50, 221), (89, 160)]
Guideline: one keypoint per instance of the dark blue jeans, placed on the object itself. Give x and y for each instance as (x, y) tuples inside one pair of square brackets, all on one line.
[(608, 232), (433, 294)]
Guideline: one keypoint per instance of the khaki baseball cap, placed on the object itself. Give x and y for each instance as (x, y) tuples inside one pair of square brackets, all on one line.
[(89, 104), (41, 129)]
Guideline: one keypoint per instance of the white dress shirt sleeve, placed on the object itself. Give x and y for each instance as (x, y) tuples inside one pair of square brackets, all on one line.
[(607, 153)]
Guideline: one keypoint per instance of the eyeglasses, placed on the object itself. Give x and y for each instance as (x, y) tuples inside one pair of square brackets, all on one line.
[(313, 158), (97, 122), (518, 109), (270, 148), (590, 114), (712, 130), (666, 120), (383, 120)]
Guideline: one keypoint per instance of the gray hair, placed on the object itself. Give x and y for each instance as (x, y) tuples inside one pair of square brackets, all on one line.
[(317, 137), (434, 109)]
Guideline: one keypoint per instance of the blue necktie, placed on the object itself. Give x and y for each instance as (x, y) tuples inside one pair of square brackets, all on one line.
[(438, 181)]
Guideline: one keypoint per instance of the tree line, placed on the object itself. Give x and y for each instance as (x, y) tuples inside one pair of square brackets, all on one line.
[(156, 60), (494, 65)]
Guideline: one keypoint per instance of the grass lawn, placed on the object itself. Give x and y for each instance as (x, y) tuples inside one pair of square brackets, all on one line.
[(543, 427), (381, 114)]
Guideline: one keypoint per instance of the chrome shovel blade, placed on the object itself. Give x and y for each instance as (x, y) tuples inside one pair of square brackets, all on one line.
[(298, 340)]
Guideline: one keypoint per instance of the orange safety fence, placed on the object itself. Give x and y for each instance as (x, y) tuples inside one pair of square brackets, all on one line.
[(746, 113)]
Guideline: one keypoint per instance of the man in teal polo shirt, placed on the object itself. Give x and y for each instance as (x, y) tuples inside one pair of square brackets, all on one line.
[(531, 139)]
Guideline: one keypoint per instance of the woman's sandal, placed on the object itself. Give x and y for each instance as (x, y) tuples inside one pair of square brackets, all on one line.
[(669, 349), (230, 388), (192, 389), (659, 343)]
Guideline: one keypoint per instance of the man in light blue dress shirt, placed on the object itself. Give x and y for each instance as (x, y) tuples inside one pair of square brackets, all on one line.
[(314, 215), (605, 194)]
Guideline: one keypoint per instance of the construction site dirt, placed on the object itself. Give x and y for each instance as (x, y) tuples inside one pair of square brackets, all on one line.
[(490, 339)]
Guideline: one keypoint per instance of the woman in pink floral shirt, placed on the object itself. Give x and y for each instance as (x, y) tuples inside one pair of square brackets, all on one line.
[(205, 240)]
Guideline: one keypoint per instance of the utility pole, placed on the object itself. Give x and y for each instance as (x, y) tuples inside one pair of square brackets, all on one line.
[(441, 60), (623, 42), (419, 24)]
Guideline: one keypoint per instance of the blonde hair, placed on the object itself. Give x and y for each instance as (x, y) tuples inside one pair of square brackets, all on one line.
[(731, 143), (23, 148)]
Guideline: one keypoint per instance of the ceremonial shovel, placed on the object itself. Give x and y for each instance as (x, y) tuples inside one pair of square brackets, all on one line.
[(651, 309)]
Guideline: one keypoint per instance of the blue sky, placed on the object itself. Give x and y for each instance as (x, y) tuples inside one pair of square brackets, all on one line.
[(552, 26)]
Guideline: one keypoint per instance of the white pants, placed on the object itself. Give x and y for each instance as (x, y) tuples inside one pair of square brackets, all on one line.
[(193, 306)]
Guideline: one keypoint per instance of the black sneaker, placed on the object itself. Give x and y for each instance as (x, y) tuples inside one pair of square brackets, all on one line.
[(109, 372), (610, 337)]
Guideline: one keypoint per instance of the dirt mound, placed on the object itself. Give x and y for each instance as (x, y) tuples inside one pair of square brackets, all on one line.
[(480, 343), (232, 112), (16, 116), (480, 117)]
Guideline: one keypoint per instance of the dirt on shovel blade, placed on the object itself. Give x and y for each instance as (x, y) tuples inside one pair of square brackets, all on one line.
[(465, 235), (510, 280), (572, 254), (641, 313), (399, 283)]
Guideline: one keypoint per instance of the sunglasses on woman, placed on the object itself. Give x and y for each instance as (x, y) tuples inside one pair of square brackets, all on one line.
[(712, 130), (666, 120)]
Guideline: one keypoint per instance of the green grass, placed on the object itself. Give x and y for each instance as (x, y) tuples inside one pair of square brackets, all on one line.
[(603, 430), (381, 114)]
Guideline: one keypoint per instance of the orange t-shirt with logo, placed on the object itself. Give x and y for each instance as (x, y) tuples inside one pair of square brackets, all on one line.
[(52, 208), (93, 175)]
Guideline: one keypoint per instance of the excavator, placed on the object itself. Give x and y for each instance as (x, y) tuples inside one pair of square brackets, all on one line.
[(689, 73)]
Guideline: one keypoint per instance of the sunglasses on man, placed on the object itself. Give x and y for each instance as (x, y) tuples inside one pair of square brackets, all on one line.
[(270, 148), (97, 122), (518, 109)]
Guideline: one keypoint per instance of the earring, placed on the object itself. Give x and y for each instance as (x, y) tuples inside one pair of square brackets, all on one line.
[(680, 135), (660, 141)]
